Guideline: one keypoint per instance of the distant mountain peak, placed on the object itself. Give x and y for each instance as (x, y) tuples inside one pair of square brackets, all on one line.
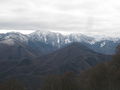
[(15, 36)]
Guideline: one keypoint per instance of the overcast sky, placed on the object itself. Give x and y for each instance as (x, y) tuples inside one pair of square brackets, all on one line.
[(60, 15)]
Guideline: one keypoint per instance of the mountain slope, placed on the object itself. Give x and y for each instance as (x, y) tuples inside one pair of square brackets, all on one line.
[(75, 57), (37, 47), (12, 53), (11, 50)]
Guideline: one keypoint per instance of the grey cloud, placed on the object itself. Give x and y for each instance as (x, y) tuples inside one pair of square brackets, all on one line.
[(71, 15)]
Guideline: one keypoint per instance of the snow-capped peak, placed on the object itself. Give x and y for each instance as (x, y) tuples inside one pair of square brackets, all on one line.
[(14, 35)]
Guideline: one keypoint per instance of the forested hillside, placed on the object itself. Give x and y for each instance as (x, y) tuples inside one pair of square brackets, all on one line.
[(104, 76)]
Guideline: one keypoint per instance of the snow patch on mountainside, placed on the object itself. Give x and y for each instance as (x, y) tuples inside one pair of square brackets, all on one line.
[(67, 41), (102, 44), (9, 42)]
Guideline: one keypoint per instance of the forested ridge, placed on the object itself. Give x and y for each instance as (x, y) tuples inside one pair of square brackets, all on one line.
[(105, 76)]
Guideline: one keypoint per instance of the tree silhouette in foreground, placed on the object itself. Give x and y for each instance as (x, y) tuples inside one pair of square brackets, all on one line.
[(62, 82), (12, 85)]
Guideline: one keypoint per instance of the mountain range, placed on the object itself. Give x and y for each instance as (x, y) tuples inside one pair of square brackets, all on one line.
[(44, 42), (30, 57), (74, 57)]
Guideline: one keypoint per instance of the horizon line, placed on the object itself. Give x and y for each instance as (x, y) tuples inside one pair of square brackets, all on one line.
[(106, 33)]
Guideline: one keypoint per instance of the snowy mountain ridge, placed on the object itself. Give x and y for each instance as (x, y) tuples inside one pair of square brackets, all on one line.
[(39, 34), (93, 37), (99, 43)]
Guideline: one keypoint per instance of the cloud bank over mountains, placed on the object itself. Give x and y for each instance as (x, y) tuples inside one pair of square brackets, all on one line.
[(60, 15)]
